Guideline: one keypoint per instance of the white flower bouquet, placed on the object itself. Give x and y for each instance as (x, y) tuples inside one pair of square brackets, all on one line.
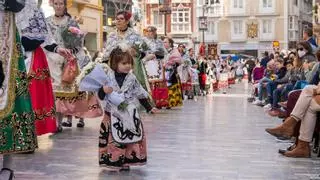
[(93, 77)]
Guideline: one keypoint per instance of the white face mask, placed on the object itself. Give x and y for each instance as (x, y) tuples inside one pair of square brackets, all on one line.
[(301, 53)]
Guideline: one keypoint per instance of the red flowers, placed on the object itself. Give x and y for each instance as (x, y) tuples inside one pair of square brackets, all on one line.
[(127, 15), (75, 30)]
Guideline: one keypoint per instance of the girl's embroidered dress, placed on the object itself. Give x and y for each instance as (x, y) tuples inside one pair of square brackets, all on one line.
[(34, 32), (17, 132), (122, 141), (173, 81)]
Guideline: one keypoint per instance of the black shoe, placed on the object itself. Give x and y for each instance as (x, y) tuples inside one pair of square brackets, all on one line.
[(80, 124), (67, 124), (29, 152), (11, 172), (59, 129), (290, 148)]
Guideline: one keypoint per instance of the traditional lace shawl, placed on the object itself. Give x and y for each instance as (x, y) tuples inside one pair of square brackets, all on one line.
[(32, 24), (114, 39), (156, 46)]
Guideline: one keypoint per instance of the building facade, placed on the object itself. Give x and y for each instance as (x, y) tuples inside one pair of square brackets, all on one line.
[(316, 19), (250, 27), (179, 24), (90, 14)]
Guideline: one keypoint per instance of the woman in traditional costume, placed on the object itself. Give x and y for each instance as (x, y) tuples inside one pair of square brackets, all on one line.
[(69, 101), (17, 132), (34, 34), (154, 68), (185, 72), (173, 60), (139, 48)]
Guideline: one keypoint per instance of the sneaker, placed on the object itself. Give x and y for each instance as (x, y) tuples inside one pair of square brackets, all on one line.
[(267, 107), (257, 102)]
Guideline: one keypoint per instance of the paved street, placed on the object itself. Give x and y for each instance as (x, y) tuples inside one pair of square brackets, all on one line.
[(217, 137)]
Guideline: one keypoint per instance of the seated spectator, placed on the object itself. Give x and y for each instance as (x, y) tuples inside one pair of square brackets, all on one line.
[(257, 75), (269, 75), (283, 89), (305, 111), (275, 87)]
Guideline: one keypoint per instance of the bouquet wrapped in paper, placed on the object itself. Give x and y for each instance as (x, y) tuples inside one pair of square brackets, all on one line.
[(93, 77), (72, 37), (140, 47)]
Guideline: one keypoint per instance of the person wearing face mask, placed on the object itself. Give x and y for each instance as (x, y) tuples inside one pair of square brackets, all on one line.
[(305, 51), (310, 64)]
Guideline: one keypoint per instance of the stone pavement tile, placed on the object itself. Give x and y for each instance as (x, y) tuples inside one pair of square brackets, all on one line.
[(217, 137)]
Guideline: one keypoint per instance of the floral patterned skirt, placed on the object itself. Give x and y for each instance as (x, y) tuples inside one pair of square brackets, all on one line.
[(94, 109), (17, 131), (175, 95), (72, 105), (41, 93), (115, 155)]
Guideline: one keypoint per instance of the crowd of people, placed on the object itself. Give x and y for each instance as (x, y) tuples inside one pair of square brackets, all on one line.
[(285, 84)]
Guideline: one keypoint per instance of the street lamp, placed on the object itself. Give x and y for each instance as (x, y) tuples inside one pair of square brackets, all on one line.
[(203, 21), (164, 9)]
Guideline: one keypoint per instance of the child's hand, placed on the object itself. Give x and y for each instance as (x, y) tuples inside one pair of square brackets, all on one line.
[(107, 89), (150, 57)]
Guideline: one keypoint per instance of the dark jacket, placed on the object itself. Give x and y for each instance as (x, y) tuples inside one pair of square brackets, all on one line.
[(281, 72), (264, 61)]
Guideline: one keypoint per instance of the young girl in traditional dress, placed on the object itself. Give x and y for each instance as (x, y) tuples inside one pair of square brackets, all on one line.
[(119, 145)]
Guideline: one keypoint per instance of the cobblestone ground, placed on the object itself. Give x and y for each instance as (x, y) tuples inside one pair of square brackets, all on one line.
[(217, 137)]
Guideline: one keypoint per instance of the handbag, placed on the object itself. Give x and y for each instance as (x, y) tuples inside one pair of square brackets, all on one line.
[(160, 95), (70, 71), (13, 5)]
